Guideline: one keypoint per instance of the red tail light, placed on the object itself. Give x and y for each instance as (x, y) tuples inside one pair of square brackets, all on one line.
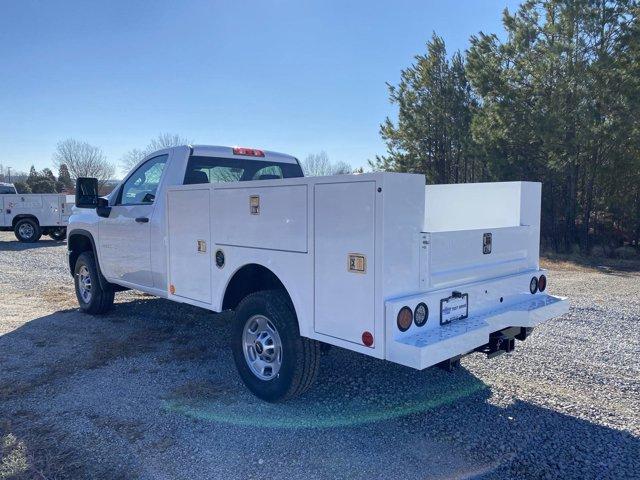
[(248, 152), (542, 283)]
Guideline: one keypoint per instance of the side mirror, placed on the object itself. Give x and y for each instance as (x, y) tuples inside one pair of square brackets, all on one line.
[(86, 192), (103, 209)]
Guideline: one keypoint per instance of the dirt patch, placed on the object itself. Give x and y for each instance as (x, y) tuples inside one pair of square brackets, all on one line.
[(60, 297), (138, 343), (104, 351), (195, 393), (22, 387), (36, 452), (579, 263), (130, 430)]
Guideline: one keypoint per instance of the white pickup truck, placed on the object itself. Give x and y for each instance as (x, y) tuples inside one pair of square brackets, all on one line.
[(32, 215), (375, 263)]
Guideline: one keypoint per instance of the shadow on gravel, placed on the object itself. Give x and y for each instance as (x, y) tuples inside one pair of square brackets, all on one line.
[(16, 246), (362, 414)]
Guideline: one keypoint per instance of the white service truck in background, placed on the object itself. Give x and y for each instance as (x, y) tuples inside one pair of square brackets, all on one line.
[(31, 215), (376, 263)]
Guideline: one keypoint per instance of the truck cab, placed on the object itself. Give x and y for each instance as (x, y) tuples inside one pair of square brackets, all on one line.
[(127, 230), (7, 188), (378, 263)]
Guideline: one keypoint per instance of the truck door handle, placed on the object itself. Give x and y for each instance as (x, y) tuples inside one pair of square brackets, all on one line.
[(142, 220)]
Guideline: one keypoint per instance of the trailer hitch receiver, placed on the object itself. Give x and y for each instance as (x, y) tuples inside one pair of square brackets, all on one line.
[(503, 341)]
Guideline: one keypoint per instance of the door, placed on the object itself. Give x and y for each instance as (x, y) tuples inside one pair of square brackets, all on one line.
[(344, 259), (190, 244), (125, 238)]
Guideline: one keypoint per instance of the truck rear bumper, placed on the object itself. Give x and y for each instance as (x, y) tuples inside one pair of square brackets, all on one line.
[(424, 348)]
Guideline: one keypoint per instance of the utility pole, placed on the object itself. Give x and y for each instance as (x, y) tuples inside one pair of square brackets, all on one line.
[(9, 174)]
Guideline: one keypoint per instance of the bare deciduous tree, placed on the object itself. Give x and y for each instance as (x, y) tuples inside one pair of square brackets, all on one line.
[(83, 160), (163, 140), (318, 165)]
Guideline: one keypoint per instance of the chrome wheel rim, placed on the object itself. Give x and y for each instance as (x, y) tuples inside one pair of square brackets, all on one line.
[(84, 284), (25, 230), (262, 347)]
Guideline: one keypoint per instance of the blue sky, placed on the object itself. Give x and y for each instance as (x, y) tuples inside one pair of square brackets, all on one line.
[(292, 76)]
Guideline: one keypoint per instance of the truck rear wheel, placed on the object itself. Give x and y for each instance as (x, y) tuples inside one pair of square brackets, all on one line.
[(27, 230), (273, 360), (92, 297), (58, 234)]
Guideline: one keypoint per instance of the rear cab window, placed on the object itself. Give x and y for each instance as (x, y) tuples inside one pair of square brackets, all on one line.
[(204, 169)]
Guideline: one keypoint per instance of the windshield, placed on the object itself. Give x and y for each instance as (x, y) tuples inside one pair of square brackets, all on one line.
[(214, 169)]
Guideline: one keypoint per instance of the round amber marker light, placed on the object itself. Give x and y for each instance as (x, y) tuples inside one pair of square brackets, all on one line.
[(405, 318)]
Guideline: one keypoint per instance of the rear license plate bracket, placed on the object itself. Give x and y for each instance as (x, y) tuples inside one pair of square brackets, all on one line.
[(455, 307)]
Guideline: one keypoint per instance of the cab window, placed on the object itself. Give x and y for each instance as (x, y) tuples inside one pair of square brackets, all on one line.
[(215, 170), (271, 172), (140, 188)]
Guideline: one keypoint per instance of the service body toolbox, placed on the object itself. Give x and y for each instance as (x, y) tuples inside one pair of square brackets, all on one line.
[(376, 263)]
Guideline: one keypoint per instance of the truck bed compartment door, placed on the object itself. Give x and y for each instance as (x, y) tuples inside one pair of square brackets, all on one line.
[(344, 259), (465, 256), (189, 227)]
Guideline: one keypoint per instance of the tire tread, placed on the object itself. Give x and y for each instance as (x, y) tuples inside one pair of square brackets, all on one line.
[(104, 297), (308, 351)]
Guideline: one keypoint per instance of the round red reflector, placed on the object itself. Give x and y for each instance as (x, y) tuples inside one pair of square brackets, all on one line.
[(405, 317), (367, 339), (542, 283)]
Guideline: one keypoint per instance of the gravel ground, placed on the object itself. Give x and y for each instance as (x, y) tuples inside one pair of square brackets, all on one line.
[(150, 391)]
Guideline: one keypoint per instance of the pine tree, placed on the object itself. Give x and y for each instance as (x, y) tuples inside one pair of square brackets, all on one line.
[(64, 177), (557, 101), (432, 134), (557, 105), (47, 173), (33, 177)]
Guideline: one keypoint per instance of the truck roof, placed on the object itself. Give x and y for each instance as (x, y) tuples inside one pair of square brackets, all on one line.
[(228, 152)]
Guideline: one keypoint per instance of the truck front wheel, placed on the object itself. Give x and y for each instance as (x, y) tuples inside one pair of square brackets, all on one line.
[(92, 297), (273, 360), (27, 230)]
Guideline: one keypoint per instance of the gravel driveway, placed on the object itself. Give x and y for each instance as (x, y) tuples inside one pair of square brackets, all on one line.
[(150, 391)]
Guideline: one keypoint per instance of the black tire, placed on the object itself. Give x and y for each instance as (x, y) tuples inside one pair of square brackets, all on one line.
[(100, 299), (27, 230), (300, 356), (58, 234)]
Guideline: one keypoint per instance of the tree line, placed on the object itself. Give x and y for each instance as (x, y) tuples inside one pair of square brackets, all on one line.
[(74, 158), (556, 101)]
